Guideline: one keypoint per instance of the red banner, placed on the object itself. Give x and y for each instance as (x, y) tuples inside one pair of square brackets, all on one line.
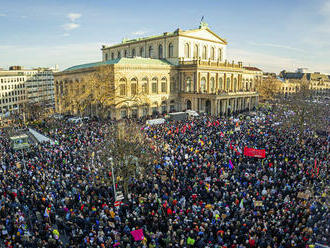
[(257, 153)]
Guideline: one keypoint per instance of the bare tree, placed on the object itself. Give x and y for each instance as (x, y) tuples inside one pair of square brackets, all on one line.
[(301, 112), (99, 91), (130, 150), (267, 88), (33, 111)]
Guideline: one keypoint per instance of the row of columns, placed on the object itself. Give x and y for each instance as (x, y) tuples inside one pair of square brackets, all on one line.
[(224, 106), (196, 78)]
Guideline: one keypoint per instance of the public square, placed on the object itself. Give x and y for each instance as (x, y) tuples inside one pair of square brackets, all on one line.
[(164, 124), (200, 191)]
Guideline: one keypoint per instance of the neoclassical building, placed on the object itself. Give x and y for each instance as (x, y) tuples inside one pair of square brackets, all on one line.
[(175, 71)]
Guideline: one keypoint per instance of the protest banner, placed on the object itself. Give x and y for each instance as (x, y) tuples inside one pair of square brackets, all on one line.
[(137, 234), (257, 153)]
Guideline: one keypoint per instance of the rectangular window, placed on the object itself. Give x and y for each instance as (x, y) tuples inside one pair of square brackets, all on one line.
[(133, 89), (122, 90), (123, 113), (164, 87), (154, 88)]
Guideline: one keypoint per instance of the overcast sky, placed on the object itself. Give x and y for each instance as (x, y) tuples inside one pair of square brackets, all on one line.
[(270, 34)]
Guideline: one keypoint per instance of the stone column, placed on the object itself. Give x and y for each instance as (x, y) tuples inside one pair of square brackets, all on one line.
[(213, 107), (195, 81), (179, 90), (199, 82), (184, 82), (216, 83)]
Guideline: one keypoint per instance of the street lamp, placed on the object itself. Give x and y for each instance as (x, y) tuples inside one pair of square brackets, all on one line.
[(113, 178)]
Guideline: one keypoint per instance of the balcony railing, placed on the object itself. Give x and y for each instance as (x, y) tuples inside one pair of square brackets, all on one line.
[(221, 93), (200, 62)]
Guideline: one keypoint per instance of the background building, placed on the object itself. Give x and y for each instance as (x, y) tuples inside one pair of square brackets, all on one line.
[(40, 87), (12, 91), (23, 86), (175, 71), (318, 83)]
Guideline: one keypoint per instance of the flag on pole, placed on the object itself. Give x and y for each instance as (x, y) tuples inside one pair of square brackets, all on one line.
[(46, 214), (118, 203), (231, 166), (241, 204)]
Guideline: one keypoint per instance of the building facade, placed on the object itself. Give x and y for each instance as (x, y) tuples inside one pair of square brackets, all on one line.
[(21, 86), (12, 91), (40, 87), (176, 71), (318, 83)]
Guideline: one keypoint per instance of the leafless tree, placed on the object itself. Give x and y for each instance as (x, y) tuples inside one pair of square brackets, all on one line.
[(302, 112), (130, 150), (267, 88), (99, 91)]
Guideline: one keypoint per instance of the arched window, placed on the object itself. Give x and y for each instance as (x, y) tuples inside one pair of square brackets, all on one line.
[(112, 55), (133, 53), (186, 50), (133, 86), (106, 56), (160, 51), (164, 85), (151, 51), (212, 85), (220, 84), (170, 51), (196, 51), (144, 84), (251, 88), (122, 87), (118, 55), (204, 54), (220, 54), (125, 54), (154, 85), (228, 84), (203, 85), (172, 85), (212, 53), (235, 84), (141, 51), (188, 84)]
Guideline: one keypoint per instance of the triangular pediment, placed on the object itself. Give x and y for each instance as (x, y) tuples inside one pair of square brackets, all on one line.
[(205, 34)]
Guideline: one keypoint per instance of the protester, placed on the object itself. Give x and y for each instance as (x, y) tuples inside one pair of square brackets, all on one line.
[(202, 191)]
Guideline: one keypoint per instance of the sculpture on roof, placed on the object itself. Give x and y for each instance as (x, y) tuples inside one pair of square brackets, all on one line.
[(203, 24)]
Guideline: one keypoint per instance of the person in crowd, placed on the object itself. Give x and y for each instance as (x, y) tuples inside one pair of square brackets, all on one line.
[(202, 191)]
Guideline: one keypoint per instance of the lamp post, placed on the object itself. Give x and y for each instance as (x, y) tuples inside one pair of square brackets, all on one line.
[(113, 178)]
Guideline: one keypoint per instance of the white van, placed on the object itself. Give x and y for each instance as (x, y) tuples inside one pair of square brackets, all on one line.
[(155, 121), (192, 113), (75, 119)]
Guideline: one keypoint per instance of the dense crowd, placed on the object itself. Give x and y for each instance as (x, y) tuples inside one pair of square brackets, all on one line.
[(202, 191)]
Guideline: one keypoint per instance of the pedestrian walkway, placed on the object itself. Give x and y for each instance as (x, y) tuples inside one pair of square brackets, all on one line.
[(40, 138)]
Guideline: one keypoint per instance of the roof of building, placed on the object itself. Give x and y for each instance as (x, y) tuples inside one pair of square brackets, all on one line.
[(309, 76), (250, 68), (133, 61), (293, 75), (178, 31)]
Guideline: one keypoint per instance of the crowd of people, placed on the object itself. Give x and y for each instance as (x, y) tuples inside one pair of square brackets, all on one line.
[(201, 191)]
